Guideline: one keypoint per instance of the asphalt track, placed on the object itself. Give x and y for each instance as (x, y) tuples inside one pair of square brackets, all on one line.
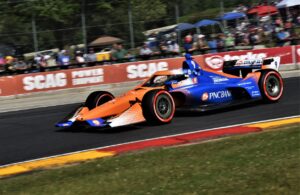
[(30, 134)]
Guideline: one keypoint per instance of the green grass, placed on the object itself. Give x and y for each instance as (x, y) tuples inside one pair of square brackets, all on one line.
[(261, 163)]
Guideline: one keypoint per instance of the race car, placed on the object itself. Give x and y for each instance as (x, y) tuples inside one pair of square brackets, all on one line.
[(189, 88)]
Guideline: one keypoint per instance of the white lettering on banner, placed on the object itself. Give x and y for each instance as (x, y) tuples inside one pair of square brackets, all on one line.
[(216, 62), (298, 52), (145, 70), (219, 94), (45, 81), (91, 76)]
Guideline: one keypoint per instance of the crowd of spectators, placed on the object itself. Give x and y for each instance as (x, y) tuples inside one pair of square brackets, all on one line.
[(267, 31)]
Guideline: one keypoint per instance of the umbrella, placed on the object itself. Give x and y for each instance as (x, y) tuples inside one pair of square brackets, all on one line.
[(288, 3), (232, 16), (263, 10), (105, 40), (184, 26), (205, 23)]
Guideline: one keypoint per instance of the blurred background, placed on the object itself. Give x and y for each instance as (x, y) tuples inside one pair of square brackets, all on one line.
[(40, 35)]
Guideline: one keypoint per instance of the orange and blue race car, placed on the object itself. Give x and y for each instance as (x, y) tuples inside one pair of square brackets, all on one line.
[(190, 88)]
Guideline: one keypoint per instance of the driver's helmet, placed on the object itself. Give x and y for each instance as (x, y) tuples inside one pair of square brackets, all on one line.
[(189, 66), (160, 79)]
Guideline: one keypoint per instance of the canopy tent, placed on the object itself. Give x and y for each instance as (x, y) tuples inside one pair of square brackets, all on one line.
[(288, 3), (232, 16), (184, 26), (263, 10), (105, 41), (161, 29), (205, 22)]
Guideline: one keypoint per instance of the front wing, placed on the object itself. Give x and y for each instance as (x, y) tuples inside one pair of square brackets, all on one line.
[(132, 115)]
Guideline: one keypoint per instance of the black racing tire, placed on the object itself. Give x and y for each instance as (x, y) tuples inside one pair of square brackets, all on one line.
[(98, 98), (158, 107), (271, 85)]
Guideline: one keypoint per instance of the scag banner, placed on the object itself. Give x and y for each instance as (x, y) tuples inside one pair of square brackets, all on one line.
[(215, 61), (298, 53), (81, 77), (131, 71)]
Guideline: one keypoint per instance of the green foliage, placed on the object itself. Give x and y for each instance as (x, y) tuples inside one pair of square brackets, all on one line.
[(59, 21)]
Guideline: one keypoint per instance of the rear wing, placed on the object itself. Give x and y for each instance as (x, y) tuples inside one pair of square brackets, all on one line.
[(267, 63)]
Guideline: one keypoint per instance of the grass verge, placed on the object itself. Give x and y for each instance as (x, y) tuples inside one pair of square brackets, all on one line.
[(261, 163)]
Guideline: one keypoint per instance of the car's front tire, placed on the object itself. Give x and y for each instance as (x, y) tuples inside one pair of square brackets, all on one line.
[(158, 107), (98, 98)]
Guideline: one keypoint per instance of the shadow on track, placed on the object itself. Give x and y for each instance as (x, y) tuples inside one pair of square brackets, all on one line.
[(136, 127)]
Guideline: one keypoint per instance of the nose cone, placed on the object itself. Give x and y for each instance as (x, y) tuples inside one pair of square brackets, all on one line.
[(111, 108)]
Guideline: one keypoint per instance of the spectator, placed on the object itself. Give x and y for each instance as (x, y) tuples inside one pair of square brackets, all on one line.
[(283, 38), (163, 49), (201, 43), (220, 42), (20, 66), (241, 8), (173, 47), (63, 58), (212, 44), (119, 53), (130, 57), (254, 39), (146, 52), (2, 63), (91, 56), (79, 57), (229, 41), (279, 22), (288, 24), (188, 44), (9, 64)]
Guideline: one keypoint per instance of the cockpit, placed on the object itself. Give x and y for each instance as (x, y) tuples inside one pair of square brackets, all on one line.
[(161, 80)]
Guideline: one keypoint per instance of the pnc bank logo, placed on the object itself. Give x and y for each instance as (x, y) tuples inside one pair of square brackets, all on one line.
[(215, 95)]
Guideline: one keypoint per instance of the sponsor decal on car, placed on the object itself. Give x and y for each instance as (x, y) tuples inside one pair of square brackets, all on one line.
[(215, 62), (253, 62), (218, 79), (204, 96), (255, 93), (215, 95), (219, 94), (246, 83)]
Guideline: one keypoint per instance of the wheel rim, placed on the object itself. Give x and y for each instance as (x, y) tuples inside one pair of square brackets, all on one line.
[(273, 86), (163, 106)]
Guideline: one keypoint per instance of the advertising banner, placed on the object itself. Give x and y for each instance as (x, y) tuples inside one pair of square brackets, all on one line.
[(215, 61), (82, 77), (7, 86), (297, 54), (131, 71)]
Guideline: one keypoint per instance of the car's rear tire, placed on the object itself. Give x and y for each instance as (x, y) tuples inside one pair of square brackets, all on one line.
[(158, 107), (98, 98), (271, 85)]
